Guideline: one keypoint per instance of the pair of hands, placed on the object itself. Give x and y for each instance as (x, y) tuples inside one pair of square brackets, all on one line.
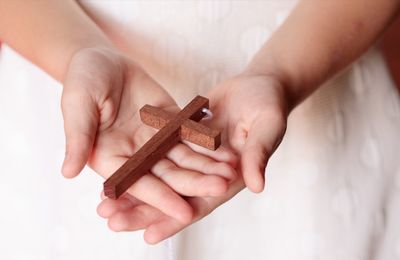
[(103, 92)]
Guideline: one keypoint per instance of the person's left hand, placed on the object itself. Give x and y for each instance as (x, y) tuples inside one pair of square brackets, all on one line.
[(130, 214), (103, 92)]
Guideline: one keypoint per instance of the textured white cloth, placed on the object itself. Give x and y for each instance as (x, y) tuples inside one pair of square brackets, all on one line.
[(333, 186)]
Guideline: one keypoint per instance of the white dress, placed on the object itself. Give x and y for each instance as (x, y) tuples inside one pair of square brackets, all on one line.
[(333, 186)]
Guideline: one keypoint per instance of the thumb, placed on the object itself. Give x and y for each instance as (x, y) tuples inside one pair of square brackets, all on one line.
[(80, 125), (262, 139)]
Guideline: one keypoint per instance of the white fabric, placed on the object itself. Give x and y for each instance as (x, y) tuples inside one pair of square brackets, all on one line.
[(333, 186)]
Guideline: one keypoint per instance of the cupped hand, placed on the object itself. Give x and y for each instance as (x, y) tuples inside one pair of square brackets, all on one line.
[(252, 111), (103, 92)]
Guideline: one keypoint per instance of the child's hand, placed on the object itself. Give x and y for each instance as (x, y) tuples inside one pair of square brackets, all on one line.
[(252, 111), (129, 214), (103, 92)]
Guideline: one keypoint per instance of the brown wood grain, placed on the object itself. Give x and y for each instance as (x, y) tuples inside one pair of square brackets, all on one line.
[(191, 131), (154, 150)]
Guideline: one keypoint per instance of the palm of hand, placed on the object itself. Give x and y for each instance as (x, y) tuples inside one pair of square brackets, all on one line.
[(252, 113), (102, 95)]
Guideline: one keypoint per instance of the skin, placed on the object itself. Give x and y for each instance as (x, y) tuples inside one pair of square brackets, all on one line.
[(267, 125), (309, 48), (277, 79), (102, 93)]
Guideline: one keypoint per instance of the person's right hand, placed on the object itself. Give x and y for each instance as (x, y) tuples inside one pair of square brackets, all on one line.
[(252, 111), (103, 92)]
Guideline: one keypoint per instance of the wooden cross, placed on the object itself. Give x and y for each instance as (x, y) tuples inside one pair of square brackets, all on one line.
[(173, 128)]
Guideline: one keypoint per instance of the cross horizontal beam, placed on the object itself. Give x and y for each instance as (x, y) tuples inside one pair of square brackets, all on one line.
[(191, 131)]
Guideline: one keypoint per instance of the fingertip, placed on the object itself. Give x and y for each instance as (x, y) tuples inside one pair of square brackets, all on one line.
[(226, 171), (117, 223), (254, 178), (100, 211), (77, 150), (158, 232), (254, 162), (108, 207), (185, 215), (104, 209), (256, 186), (222, 154), (217, 186), (150, 237), (69, 170), (162, 230)]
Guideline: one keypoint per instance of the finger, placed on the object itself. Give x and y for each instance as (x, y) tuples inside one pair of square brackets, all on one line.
[(154, 192), (238, 135), (186, 158), (150, 189), (109, 207), (158, 230), (222, 154), (187, 182), (260, 144), (161, 230), (137, 218), (80, 126), (159, 226)]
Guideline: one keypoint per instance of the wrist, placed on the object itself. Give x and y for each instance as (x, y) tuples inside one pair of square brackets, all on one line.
[(297, 79), (278, 80), (76, 47)]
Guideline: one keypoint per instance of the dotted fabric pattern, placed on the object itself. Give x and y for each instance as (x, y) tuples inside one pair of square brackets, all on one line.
[(333, 186)]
